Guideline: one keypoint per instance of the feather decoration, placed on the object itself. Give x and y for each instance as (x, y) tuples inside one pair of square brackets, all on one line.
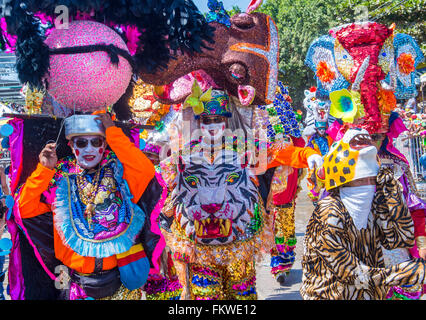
[(164, 27)]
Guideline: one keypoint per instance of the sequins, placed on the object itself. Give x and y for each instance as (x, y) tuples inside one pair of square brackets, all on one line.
[(86, 82)]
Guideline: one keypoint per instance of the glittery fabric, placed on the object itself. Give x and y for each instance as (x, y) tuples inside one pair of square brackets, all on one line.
[(146, 110), (159, 287), (87, 81), (125, 294), (236, 257), (283, 255), (405, 293), (236, 281)]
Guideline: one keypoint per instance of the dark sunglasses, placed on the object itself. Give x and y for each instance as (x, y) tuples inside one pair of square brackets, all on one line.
[(82, 142), (209, 120)]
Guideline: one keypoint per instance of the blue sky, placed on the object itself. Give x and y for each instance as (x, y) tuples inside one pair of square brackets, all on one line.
[(228, 4)]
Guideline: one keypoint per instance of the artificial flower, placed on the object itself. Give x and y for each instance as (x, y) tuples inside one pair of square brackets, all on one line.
[(387, 101), (406, 63), (346, 105), (324, 73), (196, 98)]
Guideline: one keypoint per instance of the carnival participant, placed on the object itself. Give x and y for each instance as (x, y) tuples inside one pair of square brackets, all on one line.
[(93, 197), (392, 158), (364, 211), (220, 227)]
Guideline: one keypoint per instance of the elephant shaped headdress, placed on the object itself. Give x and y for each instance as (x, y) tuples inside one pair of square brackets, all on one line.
[(362, 68)]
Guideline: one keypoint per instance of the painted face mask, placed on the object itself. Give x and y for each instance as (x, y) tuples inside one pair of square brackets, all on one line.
[(352, 158), (88, 150), (213, 131)]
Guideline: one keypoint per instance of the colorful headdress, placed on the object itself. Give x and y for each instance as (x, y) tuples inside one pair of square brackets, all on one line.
[(351, 158), (217, 105), (211, 102)]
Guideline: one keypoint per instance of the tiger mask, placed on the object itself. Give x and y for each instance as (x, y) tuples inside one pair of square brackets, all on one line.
[(215, 202)]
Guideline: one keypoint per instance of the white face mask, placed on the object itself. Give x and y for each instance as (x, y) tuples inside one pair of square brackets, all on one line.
[(213, 131), (358, 201), (88, 156)]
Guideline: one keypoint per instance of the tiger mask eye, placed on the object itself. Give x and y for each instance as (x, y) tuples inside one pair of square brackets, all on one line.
[(232, 178), (192, 181)]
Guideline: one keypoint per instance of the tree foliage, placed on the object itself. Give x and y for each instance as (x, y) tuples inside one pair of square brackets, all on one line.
[(301, 21), (234, 10)]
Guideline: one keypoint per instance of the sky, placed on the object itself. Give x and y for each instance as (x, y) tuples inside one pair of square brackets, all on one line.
[(228, 4)]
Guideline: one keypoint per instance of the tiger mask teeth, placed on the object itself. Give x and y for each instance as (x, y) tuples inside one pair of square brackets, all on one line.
[(212, 228)]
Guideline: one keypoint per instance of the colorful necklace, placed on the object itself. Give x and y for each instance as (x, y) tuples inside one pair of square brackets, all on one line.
[(87, 192)]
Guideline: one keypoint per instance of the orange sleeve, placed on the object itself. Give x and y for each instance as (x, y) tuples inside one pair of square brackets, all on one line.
[(138, 169), (29, 200), (292, 156)]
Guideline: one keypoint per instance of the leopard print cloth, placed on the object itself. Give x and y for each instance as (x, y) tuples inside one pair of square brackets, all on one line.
[(342, 262)]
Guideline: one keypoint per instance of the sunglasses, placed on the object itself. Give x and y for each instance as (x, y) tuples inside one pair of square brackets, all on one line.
[(82, 142), (209, 120)]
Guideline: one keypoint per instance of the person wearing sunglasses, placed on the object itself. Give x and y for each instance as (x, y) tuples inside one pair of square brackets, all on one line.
[(93, 195)]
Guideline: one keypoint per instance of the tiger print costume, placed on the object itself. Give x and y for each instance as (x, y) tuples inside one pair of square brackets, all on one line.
[(342, 262)]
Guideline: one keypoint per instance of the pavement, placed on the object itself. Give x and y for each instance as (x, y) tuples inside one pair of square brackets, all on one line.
[(267, 287)]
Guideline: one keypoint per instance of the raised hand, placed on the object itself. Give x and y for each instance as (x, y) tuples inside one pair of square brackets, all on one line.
[(106, 120), (48, 157)]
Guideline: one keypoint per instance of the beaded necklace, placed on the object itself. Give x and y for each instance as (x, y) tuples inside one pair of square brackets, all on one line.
[(87, 192)]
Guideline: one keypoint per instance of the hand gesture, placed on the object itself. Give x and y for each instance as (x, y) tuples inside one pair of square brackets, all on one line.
[(422, 253), (106, 120), (48, 157)]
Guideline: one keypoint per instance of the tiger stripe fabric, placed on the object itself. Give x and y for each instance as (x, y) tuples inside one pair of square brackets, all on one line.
[(341, 262)]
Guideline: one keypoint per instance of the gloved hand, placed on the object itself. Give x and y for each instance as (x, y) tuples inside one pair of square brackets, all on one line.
[(315, 160)]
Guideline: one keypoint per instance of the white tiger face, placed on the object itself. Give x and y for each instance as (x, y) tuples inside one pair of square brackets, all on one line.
[(215, 203), (317, 110)]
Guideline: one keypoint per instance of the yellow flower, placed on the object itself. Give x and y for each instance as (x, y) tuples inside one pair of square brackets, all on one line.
[(346, 105), (197, 97)]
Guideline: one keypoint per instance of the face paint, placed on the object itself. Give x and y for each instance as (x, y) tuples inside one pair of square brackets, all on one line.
[(87, 155), (213, 131)]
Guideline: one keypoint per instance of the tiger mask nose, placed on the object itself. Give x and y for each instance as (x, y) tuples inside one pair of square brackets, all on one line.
[(211, 208)]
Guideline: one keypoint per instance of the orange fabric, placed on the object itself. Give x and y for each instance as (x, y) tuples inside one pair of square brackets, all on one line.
[(29, 201), (292, 156), (138, 172)]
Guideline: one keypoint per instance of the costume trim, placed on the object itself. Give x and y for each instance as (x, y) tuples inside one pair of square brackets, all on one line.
[(187, 251), (64, 223)]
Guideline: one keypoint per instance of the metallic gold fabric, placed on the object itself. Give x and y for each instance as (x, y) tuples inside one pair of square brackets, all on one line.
[(125, 294)]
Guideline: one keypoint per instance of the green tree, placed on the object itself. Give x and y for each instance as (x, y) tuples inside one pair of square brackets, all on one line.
[(234, 10), (299, 22)]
